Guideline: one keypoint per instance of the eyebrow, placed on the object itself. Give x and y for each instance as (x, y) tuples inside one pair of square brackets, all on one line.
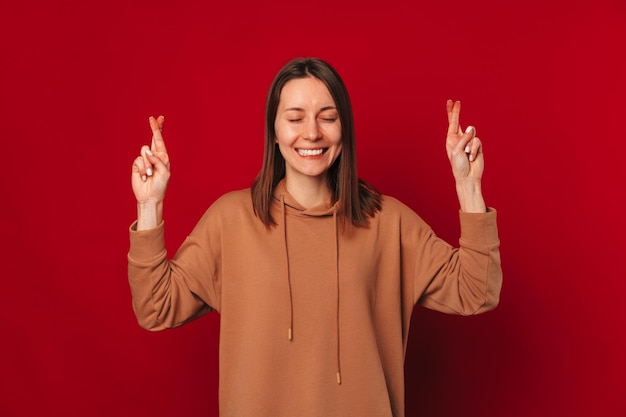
[(301, 109)]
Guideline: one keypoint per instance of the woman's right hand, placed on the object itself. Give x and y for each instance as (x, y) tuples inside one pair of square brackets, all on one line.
[(149, 178)]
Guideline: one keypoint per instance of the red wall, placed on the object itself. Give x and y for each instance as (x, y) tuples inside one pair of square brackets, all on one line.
[(544, 83)]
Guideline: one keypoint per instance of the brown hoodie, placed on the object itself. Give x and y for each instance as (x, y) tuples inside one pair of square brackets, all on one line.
[(314, 318)]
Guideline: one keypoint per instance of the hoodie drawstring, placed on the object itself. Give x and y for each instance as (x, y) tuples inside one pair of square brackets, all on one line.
[(336, 244), (290, 329), (338, 298)]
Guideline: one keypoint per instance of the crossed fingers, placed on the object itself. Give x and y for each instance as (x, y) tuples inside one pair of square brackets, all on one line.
[(466, 140), (155, 156)]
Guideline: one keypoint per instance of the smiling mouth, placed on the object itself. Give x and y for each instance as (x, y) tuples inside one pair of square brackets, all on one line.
[(310, 152)]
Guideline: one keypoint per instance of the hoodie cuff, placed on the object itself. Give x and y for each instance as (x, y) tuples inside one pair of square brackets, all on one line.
[(146, 245), (480, 228)]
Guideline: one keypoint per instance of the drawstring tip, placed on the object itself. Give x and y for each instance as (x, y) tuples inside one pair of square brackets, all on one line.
[(289, 334), (338, 378)]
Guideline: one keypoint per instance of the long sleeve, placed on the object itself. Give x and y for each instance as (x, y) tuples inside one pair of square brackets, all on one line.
[(168, 293), (465, 280)]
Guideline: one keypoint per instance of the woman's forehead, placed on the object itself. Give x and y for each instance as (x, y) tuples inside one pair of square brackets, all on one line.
[(305, 92)]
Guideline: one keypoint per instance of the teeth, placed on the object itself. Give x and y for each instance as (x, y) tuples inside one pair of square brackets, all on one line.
[(310, 152)]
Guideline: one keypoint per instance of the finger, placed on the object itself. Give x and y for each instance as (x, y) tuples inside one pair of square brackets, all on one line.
[(469, 133), (449, 105), (146, 153), (475, 148), (158, 144), (160, 121), (466, 139), (158, 164), (453, 108), (139, 168)]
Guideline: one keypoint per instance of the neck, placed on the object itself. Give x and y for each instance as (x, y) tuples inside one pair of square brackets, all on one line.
[(309, 191)]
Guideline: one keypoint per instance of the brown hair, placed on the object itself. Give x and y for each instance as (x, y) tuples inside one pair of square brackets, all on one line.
[(357, 199)]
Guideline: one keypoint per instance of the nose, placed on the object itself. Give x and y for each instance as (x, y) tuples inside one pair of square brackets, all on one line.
[(311, 131)]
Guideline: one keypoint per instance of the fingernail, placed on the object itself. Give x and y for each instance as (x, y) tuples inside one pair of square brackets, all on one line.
[(469, 129), (471, 158), (149, 152), (144, 178), (467, 149), (149, 172)]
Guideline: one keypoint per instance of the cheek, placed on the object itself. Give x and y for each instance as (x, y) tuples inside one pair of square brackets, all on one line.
[(280, 136), (284, 134), (338, 141), (279, 131), (338, 151), (282, 148), (336, 134)]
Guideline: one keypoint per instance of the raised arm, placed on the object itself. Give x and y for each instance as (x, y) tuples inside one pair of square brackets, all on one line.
[(465, 153), (149, 178)]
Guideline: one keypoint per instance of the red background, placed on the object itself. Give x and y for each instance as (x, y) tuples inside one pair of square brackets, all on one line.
[(542, 81)]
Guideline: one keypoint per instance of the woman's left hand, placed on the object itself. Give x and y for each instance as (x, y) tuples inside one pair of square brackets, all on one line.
[(464, 149)]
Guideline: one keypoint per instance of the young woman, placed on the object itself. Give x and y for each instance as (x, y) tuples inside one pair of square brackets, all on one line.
[(314, 273)]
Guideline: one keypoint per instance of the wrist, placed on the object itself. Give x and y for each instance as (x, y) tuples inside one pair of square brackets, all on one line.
[(469, 185), (149, 214), (469, 192)]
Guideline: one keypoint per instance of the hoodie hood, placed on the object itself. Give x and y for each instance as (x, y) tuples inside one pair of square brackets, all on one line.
[(282, 196)]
